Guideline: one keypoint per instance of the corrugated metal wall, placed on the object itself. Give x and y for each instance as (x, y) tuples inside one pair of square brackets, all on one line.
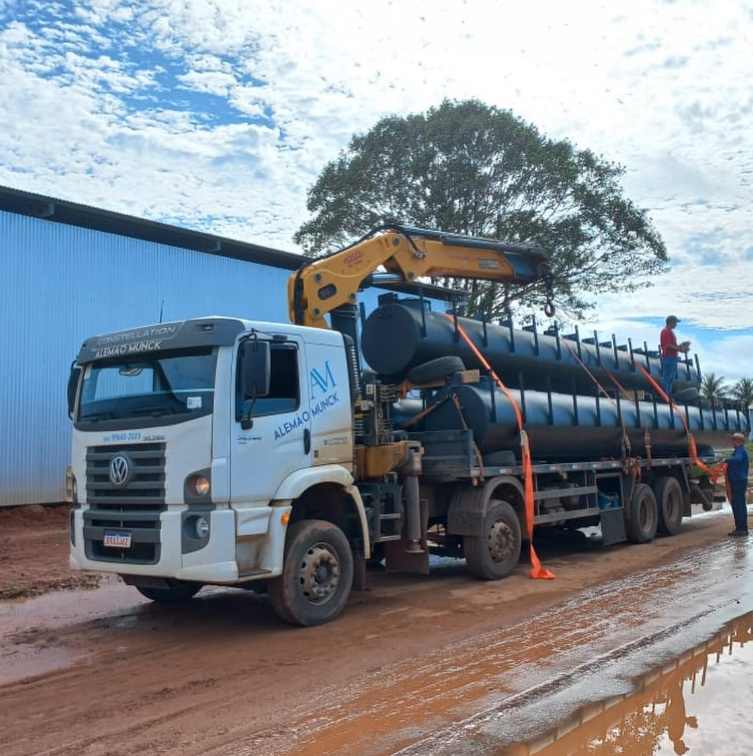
[(61, 284)]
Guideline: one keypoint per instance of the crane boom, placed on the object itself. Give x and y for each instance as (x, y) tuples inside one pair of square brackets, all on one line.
[(407, 254)]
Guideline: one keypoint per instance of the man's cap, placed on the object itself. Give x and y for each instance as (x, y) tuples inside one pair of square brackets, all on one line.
[(671, 318), (739, 436)]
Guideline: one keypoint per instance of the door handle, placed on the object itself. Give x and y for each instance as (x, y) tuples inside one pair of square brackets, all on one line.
[(306, 440)]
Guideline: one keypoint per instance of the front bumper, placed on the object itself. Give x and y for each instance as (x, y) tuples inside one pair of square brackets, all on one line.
[(214, 563)]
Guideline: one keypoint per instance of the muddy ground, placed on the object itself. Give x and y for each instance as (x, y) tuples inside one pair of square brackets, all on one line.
[(34, 552), (103, 671)]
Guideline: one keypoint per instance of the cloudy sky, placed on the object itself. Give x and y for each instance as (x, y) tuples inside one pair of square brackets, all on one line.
[(218, 115)]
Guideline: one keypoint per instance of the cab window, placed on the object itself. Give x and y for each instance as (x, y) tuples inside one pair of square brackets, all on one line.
[(284, 390)]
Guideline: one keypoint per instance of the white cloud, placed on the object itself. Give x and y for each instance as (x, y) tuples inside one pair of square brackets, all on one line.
[(211, 82), (219, 114), (722, 356)]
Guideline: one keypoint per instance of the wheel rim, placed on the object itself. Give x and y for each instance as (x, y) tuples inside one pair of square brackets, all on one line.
[(500, 541), (320, 573)]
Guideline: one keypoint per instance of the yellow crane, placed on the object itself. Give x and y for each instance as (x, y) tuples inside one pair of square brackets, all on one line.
[(323, 285)]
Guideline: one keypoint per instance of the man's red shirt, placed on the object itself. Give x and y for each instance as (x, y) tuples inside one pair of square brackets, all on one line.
[(668, 343)]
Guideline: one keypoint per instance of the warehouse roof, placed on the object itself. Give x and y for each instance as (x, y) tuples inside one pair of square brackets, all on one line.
[(84, 216), (73, 214)]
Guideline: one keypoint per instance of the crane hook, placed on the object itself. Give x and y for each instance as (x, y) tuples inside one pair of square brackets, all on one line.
[(549, 288)]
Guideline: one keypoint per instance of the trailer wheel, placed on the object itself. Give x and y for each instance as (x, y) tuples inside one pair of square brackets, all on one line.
[(317, 574), (436, 370), (173, 594), (644, 516), (494, 554), (669, 501)]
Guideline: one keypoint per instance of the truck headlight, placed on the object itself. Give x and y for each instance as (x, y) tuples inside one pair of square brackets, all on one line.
[(199, 485)]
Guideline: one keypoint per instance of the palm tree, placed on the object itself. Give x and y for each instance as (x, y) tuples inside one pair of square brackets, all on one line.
[(712, 388), (743, 392)]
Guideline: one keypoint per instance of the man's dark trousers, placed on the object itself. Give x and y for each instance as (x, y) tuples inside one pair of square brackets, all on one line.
[(738, 489)]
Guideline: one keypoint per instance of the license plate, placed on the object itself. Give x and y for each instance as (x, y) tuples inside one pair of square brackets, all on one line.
[(117, 539)]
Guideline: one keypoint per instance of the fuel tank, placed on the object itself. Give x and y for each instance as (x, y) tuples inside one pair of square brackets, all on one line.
[(400, 335), (570, 427)]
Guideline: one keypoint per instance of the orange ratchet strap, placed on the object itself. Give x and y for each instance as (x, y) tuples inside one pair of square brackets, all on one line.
[(537, 570), (714, 472)]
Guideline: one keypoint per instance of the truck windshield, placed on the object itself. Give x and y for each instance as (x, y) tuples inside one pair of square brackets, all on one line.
[(175, 383)]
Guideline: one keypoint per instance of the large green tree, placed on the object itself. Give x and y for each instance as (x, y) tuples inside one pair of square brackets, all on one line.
[(466, 167)]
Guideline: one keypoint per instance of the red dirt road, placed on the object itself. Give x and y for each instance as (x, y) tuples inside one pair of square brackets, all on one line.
[(105, 672), (34, 553)]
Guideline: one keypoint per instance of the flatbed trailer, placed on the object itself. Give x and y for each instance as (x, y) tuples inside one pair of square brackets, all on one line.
[(610, 493)]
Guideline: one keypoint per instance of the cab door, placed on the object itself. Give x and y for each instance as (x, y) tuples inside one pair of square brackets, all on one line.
[(278, 441)]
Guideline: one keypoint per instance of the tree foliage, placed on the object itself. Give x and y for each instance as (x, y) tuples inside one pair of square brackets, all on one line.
[(743, 392), (713, 388), (466, 167)]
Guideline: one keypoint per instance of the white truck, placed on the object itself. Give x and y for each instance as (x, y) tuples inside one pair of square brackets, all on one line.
[(242, 453)]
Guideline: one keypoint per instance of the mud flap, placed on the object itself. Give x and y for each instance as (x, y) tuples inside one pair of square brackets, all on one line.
[(613, 526), (359, 573), (700, 496)]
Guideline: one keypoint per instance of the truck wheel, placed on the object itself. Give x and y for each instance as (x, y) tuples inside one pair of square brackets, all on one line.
[(669, 501), (436, 370), (644, 516), (494, 554), (171, 595), (317, 574)]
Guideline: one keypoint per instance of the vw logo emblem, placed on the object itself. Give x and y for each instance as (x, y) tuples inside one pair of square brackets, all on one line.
[(120, 470)]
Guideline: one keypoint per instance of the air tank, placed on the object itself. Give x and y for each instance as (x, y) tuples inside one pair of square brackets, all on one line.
[(400, 335)]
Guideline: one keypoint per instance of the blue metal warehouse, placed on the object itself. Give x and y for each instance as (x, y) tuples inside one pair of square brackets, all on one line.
[(71, 272)]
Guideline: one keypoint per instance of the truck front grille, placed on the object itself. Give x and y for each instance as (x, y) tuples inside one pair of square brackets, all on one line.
[(133, 507), (146, 486)]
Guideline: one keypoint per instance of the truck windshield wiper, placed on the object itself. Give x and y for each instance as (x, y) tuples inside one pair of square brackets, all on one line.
[(156, 411), (94, 417)]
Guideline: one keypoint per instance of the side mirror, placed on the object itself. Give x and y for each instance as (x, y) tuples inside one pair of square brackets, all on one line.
[(256, 368), (73, 380)]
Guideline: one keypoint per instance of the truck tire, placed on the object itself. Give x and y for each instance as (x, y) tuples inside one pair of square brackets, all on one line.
[(317, 574), (436, 370), (643, 517), (173, 594), (494, 554), (669, 501)]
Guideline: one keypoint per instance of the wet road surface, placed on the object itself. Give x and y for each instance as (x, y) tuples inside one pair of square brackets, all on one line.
[(512, 687), (106, 672), (698, 702)]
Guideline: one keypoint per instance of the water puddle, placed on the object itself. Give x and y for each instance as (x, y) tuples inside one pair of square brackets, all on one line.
[(64, 607), (30, 629), (65, 629), (699, 703)]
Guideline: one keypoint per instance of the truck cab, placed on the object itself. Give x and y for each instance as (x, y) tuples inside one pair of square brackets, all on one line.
[(193, 439)]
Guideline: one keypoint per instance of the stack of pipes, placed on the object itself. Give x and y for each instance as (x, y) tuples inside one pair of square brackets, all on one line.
[(560, 382)]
